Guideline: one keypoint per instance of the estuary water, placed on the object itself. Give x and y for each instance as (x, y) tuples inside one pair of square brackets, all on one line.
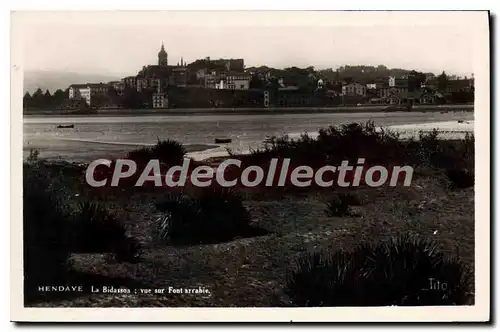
[(105, 136)]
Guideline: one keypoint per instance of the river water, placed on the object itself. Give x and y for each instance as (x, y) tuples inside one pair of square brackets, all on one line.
[(100, 136)]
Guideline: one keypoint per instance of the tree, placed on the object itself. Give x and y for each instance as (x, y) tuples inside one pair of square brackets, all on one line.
[(442, 81), (27, 100), (47, 99), (37, 98), (310, 69), (59, 97)]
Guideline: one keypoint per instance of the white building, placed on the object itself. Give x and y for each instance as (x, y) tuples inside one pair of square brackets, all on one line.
[(160, 100), (354, 89), (221, 85), (237, 81), (87, 91), (80, 91)]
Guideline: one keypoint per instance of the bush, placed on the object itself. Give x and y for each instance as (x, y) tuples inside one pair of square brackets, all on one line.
[(461, 174), (349, 199), (337, 208), (398, 273), (213, 215), (33, 156), (378, 146), (337, 143), (319, 276), (142, 155), (169, 152), (96, 230), (45, 233), (454, 159), (460, 178), (339, 205), (128, 250)]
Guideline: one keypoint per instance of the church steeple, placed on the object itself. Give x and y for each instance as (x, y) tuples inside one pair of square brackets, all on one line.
[(162, 57)]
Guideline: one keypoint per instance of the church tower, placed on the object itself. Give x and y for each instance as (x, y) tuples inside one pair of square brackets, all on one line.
[(162, 57)]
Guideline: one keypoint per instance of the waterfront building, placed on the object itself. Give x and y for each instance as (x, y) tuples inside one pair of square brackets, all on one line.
[(354, 90), (117, 86), (88, 92), (179, 76), (74, 91), (398, 82), (228, 81), (160, 100), (130, 82)]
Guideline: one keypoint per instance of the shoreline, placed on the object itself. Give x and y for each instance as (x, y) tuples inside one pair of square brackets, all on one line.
[(86, 150), (250, 110), (106, 150), (211, 159)]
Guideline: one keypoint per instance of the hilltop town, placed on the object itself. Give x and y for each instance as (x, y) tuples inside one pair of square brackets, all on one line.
[(218, 83)]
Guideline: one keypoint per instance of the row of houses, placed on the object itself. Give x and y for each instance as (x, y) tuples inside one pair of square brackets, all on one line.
[(398, 91), (230, 75)]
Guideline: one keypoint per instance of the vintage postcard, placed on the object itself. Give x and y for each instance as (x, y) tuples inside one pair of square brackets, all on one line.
[(188, 166)]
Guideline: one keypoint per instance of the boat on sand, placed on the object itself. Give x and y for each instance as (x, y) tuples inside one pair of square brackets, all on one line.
[(223, 140)]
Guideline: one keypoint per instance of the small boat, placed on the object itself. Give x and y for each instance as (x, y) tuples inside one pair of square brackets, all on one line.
[(66, 126), (460, 121), (268, 139), (223, 140)]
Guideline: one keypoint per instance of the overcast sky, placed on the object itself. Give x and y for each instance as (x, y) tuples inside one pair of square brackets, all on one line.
[(121, 43)]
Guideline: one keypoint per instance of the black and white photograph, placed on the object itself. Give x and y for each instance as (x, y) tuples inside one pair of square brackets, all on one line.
[(251, 159)]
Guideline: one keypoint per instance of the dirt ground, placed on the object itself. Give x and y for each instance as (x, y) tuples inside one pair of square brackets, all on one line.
[(250, 272)]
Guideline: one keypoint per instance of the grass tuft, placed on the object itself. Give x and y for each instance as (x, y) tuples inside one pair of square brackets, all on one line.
[(169, 152), (210, 216), (401, 272), (96, 230)]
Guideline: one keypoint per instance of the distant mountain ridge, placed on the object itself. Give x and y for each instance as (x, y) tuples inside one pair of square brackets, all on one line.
[(52, 80)]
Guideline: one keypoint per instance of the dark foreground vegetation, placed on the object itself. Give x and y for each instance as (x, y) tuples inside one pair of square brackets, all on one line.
[(212, 215), (393, 273), (357, 246)]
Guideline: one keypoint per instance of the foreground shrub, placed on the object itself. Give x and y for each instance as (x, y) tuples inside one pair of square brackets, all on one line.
[(349, 198), (378, 146), (213, 215), (45, 232), (460, 178), (398, 272), (169, 152), (128, 250), (96, 230), (428, 145), (337, 207), (455, 158), (33, 156), (141, 156)]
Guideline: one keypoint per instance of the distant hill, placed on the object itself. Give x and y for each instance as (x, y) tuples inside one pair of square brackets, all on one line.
[(53, 80)]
